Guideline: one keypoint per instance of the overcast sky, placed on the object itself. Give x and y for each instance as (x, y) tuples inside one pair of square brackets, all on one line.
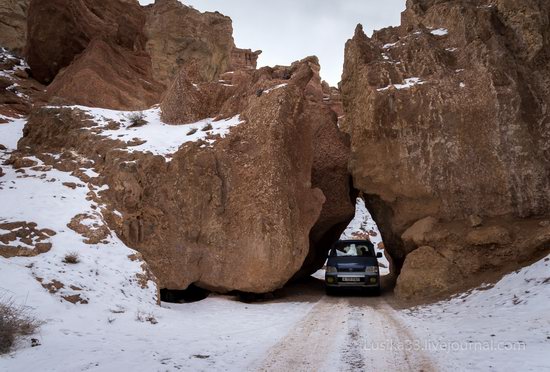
[(289, 30)]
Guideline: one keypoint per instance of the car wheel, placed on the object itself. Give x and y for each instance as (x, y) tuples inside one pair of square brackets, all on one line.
[(330, 291), (376, 291)]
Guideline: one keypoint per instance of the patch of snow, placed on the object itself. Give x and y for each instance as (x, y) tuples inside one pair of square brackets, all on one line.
[(500, 327), (439, 32), (11, 132), (462, 85), (89, 172), (451, 49), (390, 45), (406, 84), (267, 91), (160, 138)]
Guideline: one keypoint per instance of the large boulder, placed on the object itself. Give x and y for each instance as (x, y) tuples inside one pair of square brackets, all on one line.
[(236, 214), (426, 273), (446, 115), (59, 30), (178, 35), (13, 24), (187, 102)]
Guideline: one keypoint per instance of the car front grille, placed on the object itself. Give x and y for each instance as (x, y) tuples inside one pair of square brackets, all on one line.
[(351, 270)]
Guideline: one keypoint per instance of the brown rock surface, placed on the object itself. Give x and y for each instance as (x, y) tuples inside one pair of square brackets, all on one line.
[(24, 239), (236, 215), (446, 115), (244, 59), (59, 30), (178, 34), (426, 273), (18, 92), (13, 24), (186, 102), (107, 76)]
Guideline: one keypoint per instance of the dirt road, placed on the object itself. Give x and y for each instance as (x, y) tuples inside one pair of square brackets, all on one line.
[(348, 334)]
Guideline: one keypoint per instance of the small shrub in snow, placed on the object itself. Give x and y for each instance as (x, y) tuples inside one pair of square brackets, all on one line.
[(207, 128), (71, 258), (136, 119), (143, 317), (192, 131), (14, 322)]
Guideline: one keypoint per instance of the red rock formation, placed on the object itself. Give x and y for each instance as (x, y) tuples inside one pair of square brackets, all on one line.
[(446, 117), (13, 24), (244, 59), (58, 31), (18, 92), (238, 215), (178, 35), (107, 76)]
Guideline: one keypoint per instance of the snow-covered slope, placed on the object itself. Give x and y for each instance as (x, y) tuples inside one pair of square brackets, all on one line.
[(115, 322), (505, 327)]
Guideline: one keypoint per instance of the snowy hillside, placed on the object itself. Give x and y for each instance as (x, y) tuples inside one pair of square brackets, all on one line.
[(501, 327), (102, 314)]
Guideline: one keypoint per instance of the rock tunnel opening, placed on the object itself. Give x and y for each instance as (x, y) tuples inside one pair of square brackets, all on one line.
[(369, 210), (191, 294)]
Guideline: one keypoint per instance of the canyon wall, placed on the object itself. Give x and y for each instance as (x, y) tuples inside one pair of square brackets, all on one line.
[(449, 129)]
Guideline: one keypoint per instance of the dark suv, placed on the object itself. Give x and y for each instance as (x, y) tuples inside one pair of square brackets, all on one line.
[(352, 264)]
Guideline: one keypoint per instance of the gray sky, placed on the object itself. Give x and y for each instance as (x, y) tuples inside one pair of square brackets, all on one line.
[(289, 30)]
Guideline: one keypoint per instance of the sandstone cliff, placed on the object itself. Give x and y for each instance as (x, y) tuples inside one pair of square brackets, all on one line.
[(126, 53), (59, 31), (13, 24), (236, 213), (178, 35), (447, 120)]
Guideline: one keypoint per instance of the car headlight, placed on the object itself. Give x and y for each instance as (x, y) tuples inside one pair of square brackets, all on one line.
[(331, 269), (371, 269)]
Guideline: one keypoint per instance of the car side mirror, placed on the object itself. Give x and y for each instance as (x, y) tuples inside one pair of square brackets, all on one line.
[(379, 255)]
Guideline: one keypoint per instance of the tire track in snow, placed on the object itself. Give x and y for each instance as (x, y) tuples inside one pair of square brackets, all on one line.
[(353, 334), (306, 347)]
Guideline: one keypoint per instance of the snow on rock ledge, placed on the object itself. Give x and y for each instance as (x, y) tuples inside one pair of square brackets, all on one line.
[(155, 136)]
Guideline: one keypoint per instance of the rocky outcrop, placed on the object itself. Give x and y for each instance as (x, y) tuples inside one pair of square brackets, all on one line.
[(244, 59), (447, 120), (107, 76), (18, 92), (242, 213), (178, 35), (24, 239), (58, 31), (13, 24), (126, 54)]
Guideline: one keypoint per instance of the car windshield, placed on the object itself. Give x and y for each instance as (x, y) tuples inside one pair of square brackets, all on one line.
[(352, 250)]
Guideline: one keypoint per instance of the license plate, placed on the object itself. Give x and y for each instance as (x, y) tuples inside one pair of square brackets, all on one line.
[(350, 279)]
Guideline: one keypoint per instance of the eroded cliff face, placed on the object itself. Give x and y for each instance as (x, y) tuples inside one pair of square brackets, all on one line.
[(126, 54), (233, 213), (448, 121), (13, 24), (178, 35), (59, 31)]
